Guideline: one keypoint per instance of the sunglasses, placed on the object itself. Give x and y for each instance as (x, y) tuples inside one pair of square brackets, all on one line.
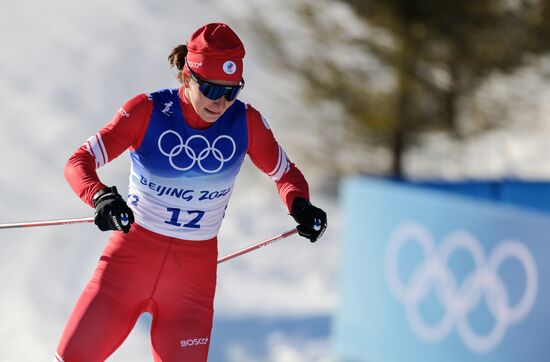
[(215, 91)]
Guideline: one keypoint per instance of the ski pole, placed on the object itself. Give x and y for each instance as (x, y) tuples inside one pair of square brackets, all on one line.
[(91, 219), (28, 224), (258, 245)]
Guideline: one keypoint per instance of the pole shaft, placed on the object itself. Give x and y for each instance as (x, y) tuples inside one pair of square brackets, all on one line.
[(257, 246), (28, 224)]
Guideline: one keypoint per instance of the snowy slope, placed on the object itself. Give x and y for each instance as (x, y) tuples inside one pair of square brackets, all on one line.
[(66, 67)]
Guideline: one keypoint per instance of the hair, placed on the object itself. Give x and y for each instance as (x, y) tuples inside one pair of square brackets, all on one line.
[(177, 59)]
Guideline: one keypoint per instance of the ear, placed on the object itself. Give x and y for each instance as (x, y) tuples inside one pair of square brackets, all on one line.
[(185, 80)]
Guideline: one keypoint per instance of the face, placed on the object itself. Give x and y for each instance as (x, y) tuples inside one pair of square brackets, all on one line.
[(209, 110)]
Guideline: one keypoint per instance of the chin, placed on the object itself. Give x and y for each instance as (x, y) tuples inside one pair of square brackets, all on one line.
[(208, 117)]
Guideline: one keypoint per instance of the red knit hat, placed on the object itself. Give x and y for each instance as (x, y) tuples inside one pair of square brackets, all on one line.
[(215, 52)]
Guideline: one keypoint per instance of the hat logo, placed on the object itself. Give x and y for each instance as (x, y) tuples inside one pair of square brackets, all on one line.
[(229, 67), (193, 64)]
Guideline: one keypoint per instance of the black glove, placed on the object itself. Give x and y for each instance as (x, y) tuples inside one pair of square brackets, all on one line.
[(312, 220), (111, 211)]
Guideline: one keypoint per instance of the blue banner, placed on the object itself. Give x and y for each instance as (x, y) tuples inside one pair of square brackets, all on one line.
[(429, 276)]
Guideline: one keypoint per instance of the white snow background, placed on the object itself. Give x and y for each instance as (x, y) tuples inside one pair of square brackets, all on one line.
[(65, 69)]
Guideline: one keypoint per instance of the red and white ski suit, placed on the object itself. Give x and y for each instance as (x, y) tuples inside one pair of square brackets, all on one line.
[(182, 174)]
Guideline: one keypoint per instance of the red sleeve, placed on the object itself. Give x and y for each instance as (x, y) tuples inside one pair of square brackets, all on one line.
[(270, 158), (125, 130)]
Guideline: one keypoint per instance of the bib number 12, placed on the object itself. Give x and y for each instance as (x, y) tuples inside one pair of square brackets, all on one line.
[(193, 224)]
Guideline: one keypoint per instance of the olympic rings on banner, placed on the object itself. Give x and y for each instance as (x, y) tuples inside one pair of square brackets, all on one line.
[(459, 300)]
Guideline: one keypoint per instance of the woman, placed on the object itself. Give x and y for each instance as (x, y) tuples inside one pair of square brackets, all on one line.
[(186, 147)]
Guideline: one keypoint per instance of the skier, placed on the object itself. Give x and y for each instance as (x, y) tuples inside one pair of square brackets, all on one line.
[(186, 146)]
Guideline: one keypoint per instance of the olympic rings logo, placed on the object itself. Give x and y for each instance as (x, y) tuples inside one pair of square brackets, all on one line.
[(459, 300), (191, 153)]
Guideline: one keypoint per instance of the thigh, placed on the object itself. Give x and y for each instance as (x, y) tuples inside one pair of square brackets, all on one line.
[(185, 339), (97, 326)]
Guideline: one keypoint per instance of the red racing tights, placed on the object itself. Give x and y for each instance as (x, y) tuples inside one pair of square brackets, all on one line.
[(173, 279)]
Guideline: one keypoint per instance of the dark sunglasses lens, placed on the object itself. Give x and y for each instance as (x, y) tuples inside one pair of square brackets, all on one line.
[(212, 91), (232, 93)]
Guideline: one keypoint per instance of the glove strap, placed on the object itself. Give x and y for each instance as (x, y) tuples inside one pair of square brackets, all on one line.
[(107, 192), (299, 204)]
